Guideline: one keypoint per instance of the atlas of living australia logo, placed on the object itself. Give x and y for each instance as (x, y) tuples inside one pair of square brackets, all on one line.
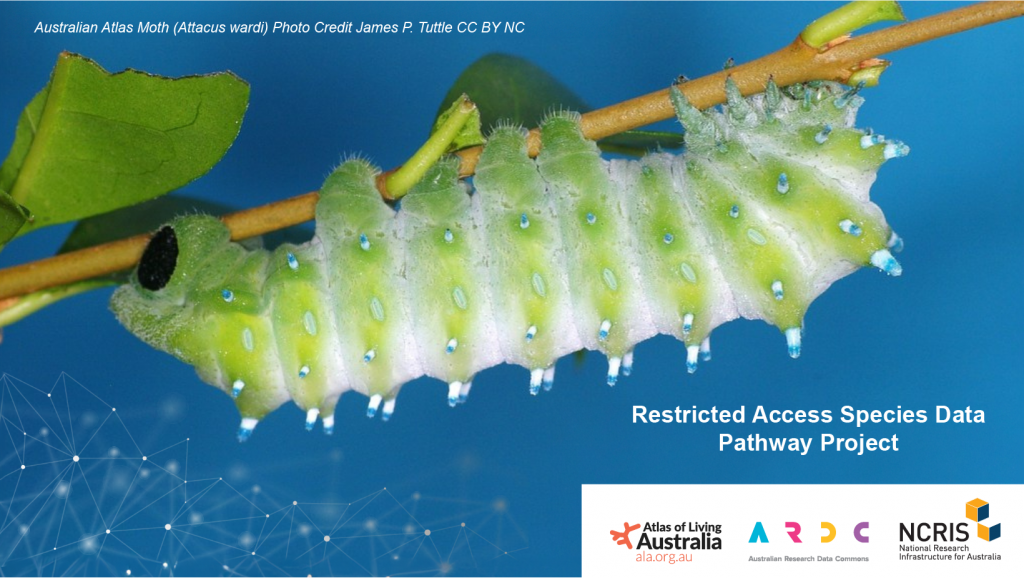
[(668, 543)]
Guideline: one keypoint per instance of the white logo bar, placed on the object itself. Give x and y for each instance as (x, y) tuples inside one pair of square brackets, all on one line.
[(803, 530)]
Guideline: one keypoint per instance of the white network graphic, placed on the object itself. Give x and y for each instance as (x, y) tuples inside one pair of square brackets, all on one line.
[(80, 496)]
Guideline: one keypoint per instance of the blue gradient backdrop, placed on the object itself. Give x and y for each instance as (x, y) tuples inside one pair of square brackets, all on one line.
[(947, 332)]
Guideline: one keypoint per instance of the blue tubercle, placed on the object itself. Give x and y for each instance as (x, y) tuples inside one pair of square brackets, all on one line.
[(793, 341), (691, 358), (884, 260), (822, 136), (783, 185), (895, 150)]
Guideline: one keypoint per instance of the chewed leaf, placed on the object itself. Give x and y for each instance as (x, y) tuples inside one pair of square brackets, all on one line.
[(92, 142), (469, 135)]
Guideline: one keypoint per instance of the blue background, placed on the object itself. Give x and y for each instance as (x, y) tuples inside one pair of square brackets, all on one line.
[(947, 332)]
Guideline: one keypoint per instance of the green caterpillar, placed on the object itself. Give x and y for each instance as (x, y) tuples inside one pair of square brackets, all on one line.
[(767, 207)]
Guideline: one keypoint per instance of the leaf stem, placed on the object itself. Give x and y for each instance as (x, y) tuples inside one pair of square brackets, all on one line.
[(847, 18), (797, 62), (394, 185)]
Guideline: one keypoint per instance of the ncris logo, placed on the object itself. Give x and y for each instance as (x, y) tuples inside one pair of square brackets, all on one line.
[(988, 529), (977, 510)]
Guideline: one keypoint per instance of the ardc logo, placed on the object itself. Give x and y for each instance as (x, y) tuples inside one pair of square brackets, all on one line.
[(793, 529), (622, 538)]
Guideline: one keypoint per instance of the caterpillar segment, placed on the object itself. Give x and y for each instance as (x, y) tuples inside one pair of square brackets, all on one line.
[(365, 259), (766, 208), (527, 259), (678, 271), (608, 305), (446, 265)]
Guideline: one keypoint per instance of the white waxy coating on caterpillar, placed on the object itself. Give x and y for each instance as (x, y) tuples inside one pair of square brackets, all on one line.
[(389, 408), (454, 389), (548, 381), (464, 392), (247, 426), (705, 349), (767, 208), (373, 405), (614, 364), (311, 417), (691, 358), (536, 378), (627, 364)]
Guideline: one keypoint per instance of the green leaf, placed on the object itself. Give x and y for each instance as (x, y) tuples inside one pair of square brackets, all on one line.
[(469, 135), (506, 87), (12, 217), (92, 142), (28, 122)]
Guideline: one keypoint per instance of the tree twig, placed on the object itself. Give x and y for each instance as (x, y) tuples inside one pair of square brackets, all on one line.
[(797, 62)]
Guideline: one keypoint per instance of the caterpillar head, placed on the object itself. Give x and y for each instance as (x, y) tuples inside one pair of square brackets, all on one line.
[(199, 297), (184, 256)]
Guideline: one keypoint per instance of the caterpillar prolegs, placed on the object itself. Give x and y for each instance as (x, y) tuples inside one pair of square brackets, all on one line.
[(539, 258)]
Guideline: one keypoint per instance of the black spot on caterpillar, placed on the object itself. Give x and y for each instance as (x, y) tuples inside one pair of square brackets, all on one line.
[(158, 260)]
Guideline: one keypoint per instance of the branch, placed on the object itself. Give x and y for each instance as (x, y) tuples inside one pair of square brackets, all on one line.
[(798, 62)]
